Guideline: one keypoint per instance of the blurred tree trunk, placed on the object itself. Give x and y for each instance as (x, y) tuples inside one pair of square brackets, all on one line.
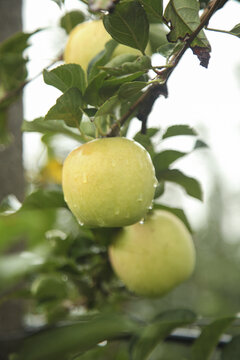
[(11, 173)]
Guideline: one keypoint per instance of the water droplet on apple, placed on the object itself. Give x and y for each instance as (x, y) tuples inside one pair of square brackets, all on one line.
[(117, 212), (80, 223), (142, 221), (140, 199), (155, 184), (150, 207)]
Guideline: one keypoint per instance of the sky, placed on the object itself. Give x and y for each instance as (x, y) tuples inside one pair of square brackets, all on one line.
[(207, 99)]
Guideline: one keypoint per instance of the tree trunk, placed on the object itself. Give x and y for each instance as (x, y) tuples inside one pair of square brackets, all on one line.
[(11, 171)]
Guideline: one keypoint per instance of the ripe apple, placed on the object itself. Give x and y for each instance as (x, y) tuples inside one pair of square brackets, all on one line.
[(154, 257), (87, 39), (109, 182)]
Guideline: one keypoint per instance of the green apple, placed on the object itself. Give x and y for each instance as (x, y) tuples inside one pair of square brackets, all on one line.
[(154, 257), (87, 39), (109, 182)]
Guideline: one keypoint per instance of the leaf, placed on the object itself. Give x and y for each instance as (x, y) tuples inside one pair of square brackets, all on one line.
[(50, 127), (71, 19), (124, 67), (158, 330), (44, 199), (232, 350), (95, 65), (183, 18), (191, 185), (129, 89), (70, 340), (157, 36), (108, 107), (200, 144), (92, 95), (177, 130), (176, 211), (154, 8), (65, 77), (236, 30), (207, 341), (145, 141), (164, 159), (59, 2), (67, 108), (128, 25)]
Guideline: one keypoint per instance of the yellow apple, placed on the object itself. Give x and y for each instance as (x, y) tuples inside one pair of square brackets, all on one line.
[(154, 257), (87, 39), (109, 182)]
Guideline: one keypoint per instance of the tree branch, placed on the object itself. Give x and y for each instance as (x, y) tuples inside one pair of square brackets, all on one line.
[(164, 74)]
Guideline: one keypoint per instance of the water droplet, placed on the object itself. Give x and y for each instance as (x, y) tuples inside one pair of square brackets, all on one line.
[(85, 178), (150, 207), (103, 343), (155, 184), (140, 199), (142, 221), (80, 223), (117, 212)]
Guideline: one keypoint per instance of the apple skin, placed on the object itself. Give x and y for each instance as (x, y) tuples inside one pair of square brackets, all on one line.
[(109, 182), (87, 39), (153, 258)]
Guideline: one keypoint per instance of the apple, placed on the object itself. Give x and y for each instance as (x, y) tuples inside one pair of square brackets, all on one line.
[(87, 39), (109, 182), (154, 257)]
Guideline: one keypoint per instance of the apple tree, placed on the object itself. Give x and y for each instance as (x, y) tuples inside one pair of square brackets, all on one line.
[(84, 297)]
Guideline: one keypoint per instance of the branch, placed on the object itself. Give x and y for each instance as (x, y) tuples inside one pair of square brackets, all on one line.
[(164, 75)]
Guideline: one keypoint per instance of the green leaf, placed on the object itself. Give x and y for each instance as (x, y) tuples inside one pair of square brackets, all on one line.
[(199, 144), (177, 130), (236, 30), (130, 89), (44, 199), (176, 211), (182, 16), (71, 19), (65, 77), (157, 36), (145, 141), (128, 25), (164, 159), (67, 108), (158, 330), (108, 107), (204, 346), (102, 58), (70, 340), (59, 2), (51, 127), (92, 95), (232, 350), (191, 185), (127, 64), (153, 8)]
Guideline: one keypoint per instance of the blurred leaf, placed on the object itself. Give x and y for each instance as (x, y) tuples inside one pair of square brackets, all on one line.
[(191, 185), (50, 127), (204, 346), (130, 89), (71, 19), (177, 130), (44, 199), (59, 2), (67, 108), (153, 8), (102, 58), (123, 29), (97, 5), (65, 77), (145, 141), (70, 340), (157, 36), (159, 191), (183, 19), (232, 350), (127, 64), (157, 331), (178, 212), (164, 159), (200, 144), (236, 30)]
